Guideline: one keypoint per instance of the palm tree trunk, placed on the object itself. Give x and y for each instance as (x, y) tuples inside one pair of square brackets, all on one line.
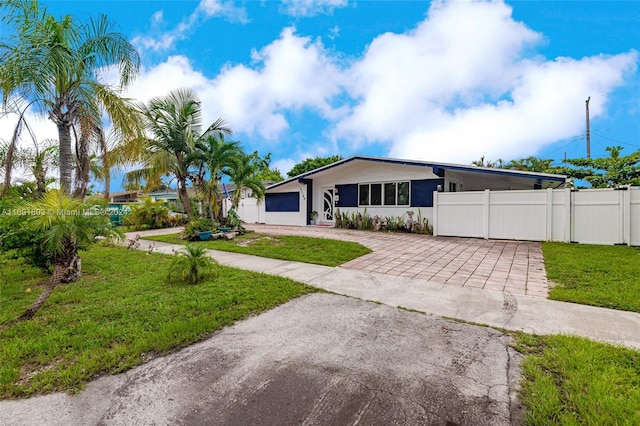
[(83, 164), (9, 159), (66, 157), (184, 197), (62, 272)]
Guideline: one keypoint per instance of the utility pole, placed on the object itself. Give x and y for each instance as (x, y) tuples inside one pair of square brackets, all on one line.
[(588, 130)]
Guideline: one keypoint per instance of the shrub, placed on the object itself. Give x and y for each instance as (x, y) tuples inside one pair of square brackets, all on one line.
[(198, 225), (192, 265), (148, 215)]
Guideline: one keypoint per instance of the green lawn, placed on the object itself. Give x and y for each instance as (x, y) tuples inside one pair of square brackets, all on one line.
[(607, 276), (118, 315), (320, 251), (575, 381)]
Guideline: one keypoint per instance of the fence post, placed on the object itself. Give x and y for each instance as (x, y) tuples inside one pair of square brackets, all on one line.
[(485, 209), (435, 213), (567, 215), (549, 214), (626, 215)]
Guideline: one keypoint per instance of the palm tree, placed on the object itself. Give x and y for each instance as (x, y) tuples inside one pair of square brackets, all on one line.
[(244, 174), (67, 226), (52, 63), (174, 124), (217, 157)]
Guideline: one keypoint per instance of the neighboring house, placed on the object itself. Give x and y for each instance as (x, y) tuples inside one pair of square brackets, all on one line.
[(382, 186), (171, 199), (125, 197)]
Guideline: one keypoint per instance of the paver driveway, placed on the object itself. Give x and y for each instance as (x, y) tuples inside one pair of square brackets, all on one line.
[(516, 267)]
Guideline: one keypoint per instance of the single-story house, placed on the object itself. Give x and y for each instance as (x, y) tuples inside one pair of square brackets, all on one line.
[(125, 197), (381, 186)]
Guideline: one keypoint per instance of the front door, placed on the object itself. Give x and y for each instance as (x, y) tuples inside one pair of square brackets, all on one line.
[(327, 204)]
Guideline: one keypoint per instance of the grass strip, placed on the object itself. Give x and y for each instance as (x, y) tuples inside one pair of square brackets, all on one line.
[(575, 381), (606, 276), (319, 251)]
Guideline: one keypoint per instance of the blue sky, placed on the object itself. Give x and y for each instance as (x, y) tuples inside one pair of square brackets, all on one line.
[(438, 81)]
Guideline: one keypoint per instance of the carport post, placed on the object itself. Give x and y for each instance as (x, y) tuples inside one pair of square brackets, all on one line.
[(435, 213), (485, 211)]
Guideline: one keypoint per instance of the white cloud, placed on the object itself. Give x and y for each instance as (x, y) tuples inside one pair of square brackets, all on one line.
[(464, 84), (305, 8), (163, 40), (289, 74)]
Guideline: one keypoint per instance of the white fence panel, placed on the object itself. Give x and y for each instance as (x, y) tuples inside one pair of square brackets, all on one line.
[(597, 216), (250, 210), (561, 215), (518, 215), (634, 216), (591, 216), (459, 214)]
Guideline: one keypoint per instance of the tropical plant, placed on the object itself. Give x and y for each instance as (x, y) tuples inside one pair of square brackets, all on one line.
[(244, 175), (217, 157), (234, 220), (499, 163), (53, 64), (606, 171), (310, 164), (148, 215), (198, 225), (531, 164), (67, 226), (174, 122), (192, 265)]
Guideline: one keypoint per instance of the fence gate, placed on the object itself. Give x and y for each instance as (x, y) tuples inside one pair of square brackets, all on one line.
[(600, 216)]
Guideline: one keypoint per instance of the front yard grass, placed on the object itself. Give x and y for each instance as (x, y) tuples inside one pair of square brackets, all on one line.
[(575, 381), (320, 251), (606, 276), (121, 313)]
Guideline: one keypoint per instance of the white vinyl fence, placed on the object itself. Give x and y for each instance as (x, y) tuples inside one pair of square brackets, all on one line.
[(590, 216)]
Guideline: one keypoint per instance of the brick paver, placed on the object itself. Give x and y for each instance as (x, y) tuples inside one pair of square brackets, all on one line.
[(516, 267)]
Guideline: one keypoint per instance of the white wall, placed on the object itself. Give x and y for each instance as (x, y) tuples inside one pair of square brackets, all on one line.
[(251, 210), (594, 216)]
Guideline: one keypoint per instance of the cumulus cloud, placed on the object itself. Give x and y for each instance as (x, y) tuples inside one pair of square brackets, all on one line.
[(466, 83), (287, 75), (304, 8), (162, 39)]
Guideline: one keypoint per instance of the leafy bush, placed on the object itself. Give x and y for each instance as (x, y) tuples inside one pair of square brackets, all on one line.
[(149, 215), (198, 225)]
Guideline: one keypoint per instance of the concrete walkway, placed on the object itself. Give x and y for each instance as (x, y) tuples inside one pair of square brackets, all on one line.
[(502, 309)]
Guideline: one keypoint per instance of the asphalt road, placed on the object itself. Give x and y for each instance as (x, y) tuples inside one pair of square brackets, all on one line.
[(318, 360)]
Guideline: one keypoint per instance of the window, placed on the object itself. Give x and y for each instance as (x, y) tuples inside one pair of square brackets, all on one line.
[(376, 194), (453, 187), (403, 193), (387, 194), (363, 198)]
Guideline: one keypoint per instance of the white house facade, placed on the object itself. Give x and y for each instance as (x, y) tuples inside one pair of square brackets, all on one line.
[(380, 186)]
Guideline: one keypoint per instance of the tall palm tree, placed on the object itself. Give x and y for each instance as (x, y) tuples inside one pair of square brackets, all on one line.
[(244, 174), (53, 62), (174, 124), (217, 157)]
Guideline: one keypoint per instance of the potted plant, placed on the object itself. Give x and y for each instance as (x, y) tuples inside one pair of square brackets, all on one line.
[(313, 216)]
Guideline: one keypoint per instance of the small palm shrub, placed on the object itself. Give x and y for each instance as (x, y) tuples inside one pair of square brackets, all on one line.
[(192, 265)]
